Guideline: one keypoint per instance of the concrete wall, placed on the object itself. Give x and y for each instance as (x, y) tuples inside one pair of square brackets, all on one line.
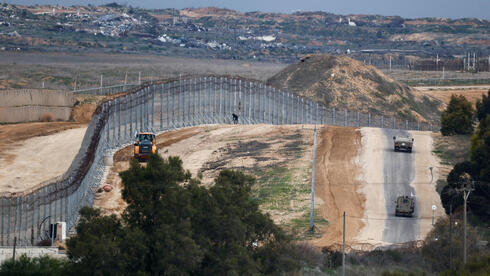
[(27, 105), (33, 113), (31, 251), (21, 97)]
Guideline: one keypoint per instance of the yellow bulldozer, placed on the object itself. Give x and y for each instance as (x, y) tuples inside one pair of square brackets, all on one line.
[(145, 145)]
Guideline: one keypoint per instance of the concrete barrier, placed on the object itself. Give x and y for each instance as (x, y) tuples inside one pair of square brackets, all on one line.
[(19, 114), (22, 97), (28, 105), (6, 252)]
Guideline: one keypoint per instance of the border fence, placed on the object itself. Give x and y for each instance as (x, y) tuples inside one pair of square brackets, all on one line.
[(158, 107)]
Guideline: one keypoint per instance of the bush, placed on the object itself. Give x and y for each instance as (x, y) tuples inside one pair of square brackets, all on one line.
[(34, 266), (458, 117)]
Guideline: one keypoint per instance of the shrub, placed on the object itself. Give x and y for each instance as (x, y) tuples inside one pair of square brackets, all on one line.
[(47, 117)]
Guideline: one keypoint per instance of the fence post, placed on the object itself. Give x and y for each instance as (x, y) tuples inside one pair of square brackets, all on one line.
[(9, 221), (200, 102), (118, 102), (418, 125), (358, 121), (406, 124), (108, 124), (192, 87), (2, 211), (369, 119), (382, 121), (394, 123), (345, 117)]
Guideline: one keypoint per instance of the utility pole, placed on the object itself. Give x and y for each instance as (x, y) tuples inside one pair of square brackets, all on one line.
[(450, 238), (312, 208), (437, 62), (343, 247), (466, 193), (15, 245)]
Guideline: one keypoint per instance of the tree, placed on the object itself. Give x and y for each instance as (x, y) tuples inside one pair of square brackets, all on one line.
[(478, 167), (483, 106), (174, 226), (96, 246), (458, 117)]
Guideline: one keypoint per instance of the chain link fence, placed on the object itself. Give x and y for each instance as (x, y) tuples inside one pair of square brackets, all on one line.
[(159, 107)]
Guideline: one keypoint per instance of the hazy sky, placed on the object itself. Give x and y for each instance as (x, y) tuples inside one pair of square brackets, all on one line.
[(404, 8)]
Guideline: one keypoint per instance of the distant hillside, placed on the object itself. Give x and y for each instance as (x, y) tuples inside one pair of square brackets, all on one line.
[(345, 83), (210, 32)]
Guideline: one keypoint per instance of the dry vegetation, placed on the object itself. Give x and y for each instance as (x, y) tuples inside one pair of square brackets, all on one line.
[(342, 82)]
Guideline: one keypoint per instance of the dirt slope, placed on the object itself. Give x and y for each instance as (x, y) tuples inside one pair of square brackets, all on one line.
[(260, 150), (341, 82), (338, 184)]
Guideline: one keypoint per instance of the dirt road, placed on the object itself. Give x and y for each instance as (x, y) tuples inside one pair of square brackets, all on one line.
[(37, 159), (338, 184), (386, 175)]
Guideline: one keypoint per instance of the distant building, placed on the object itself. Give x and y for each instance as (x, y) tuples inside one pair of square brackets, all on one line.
[(351, 23)]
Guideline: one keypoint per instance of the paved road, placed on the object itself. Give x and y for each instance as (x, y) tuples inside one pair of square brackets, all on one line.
[(399, 172)]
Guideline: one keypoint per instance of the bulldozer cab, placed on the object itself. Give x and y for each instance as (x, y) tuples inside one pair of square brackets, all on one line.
[(146, 136)]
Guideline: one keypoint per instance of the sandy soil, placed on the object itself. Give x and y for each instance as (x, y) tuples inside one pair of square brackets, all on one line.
[(38, 159), (111, 202), (337, 183), (210, 149), (13, 134)]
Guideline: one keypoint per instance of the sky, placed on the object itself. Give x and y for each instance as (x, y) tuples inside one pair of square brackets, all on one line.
[(404, 8)]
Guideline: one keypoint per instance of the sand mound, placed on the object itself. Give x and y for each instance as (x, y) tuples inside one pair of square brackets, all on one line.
[(344, 83)]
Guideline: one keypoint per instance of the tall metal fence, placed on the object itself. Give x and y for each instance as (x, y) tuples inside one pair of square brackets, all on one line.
[(159, 107)]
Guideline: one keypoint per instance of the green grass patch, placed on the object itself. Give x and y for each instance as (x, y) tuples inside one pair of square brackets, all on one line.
[(275, 188), (301, 226)]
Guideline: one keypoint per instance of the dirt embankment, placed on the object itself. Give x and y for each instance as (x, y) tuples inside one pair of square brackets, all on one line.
[(111, 202), (344, 83), (12, 135), (338, 184), (26, 163), (269, 152)]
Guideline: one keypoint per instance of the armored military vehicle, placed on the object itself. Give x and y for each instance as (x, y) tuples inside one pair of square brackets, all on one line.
[(404, 143), (405, 206)]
